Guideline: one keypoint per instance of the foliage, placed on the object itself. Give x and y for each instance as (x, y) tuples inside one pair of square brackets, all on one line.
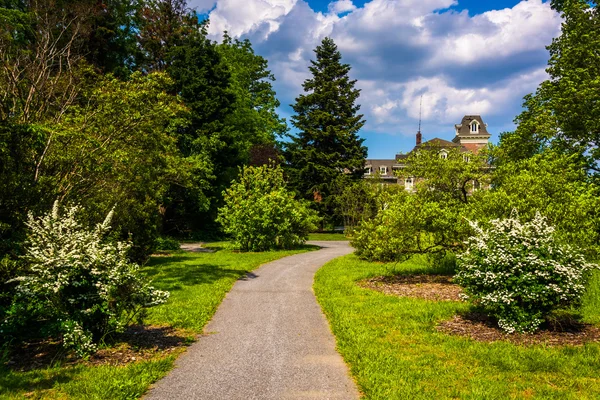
[(261, 214), (18, 192), (564, 111), (357, 200), (80, 282), (167, 243), (394, 351), (253, 118), (553, 184), (430, 219), (118, 148), (446, 174), (327, 145), (407, 225), (519, 274)]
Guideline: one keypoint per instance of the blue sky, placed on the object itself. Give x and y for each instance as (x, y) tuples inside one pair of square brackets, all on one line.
[(462, 56)]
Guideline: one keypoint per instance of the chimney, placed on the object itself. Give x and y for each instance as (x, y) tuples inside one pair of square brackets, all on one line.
[(419, 138)]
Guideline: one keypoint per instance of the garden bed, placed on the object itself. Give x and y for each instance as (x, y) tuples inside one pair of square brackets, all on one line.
[(564, 330), (137, 343), (428, 287), (559, 332)]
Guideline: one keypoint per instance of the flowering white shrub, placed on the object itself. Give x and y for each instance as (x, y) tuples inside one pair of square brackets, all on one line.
[(82, 283), (519, 274)]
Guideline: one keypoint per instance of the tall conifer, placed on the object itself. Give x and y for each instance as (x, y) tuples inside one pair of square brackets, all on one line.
[(327, 146)]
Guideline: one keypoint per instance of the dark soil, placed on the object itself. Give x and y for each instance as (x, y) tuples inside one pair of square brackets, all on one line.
[(564, 330), (136, 343), (428, 287), (558, 332)]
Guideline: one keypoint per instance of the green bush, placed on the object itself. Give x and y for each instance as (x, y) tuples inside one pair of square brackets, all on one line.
[(519, 274), (166, 243), (557, 186), (261, 214), (77, 282), (409, 224)]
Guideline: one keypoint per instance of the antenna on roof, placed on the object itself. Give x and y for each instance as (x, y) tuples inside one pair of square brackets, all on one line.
[(420, 109)]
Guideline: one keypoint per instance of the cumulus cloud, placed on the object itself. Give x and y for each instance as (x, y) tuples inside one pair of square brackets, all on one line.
[(341, 6), (499, 34), (239, 17), (400, 50)]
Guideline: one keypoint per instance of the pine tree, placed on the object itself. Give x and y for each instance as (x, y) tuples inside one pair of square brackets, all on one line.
[(327, 147)]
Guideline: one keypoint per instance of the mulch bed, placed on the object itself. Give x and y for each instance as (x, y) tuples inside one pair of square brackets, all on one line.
[(136, 343), (558, 332), (428, 287)]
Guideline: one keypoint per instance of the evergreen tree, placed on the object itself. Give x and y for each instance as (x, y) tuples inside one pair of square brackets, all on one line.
[(327, 146)]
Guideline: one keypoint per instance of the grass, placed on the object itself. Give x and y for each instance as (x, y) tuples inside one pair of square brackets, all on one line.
[(327, 236), (394, 351), (198, 282)]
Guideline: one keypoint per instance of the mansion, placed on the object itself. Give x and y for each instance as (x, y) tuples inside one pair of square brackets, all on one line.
[(471, 136)]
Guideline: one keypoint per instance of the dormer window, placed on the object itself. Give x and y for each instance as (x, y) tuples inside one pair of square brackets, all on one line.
[(383, 170), (443, 155), (474, 127)]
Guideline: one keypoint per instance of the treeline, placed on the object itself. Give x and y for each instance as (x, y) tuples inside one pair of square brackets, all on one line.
[(125, 103)]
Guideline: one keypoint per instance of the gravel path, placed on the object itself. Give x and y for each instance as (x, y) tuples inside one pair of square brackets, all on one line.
[(268, 340)]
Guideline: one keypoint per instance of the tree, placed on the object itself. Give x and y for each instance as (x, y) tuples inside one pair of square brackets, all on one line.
[(446, 174), (202, 80), (254, 118), (327, 144), (431, 219), (564, 112), (552, 183)]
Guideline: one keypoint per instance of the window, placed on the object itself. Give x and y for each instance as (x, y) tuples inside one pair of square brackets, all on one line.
[(466, 158), (368, 171), (383, 170), (474, 126), (408, 183), (443, 155)]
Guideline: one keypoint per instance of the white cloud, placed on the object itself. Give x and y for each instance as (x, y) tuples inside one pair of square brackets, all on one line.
[(341, 6), (400, 50), (239, 17), (501, 33)]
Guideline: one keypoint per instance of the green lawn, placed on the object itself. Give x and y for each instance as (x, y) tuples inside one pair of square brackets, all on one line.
[(327, 236), (394, 352), (198, 283)]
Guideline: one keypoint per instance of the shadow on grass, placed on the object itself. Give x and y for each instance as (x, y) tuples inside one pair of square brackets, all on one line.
[(11, 382), (175, 277)]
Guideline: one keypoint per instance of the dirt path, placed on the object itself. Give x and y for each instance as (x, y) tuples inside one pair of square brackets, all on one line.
[(268, 340)]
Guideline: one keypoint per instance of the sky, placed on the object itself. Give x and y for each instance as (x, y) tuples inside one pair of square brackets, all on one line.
[(462, 57)]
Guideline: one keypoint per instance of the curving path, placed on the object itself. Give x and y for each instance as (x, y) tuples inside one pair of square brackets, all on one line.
[(268, 340)]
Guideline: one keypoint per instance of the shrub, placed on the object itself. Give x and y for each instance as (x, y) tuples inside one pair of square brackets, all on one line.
[(260, 214), (78, 281), (408, 224), (554, 184), (519, 274), (166, 243)]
